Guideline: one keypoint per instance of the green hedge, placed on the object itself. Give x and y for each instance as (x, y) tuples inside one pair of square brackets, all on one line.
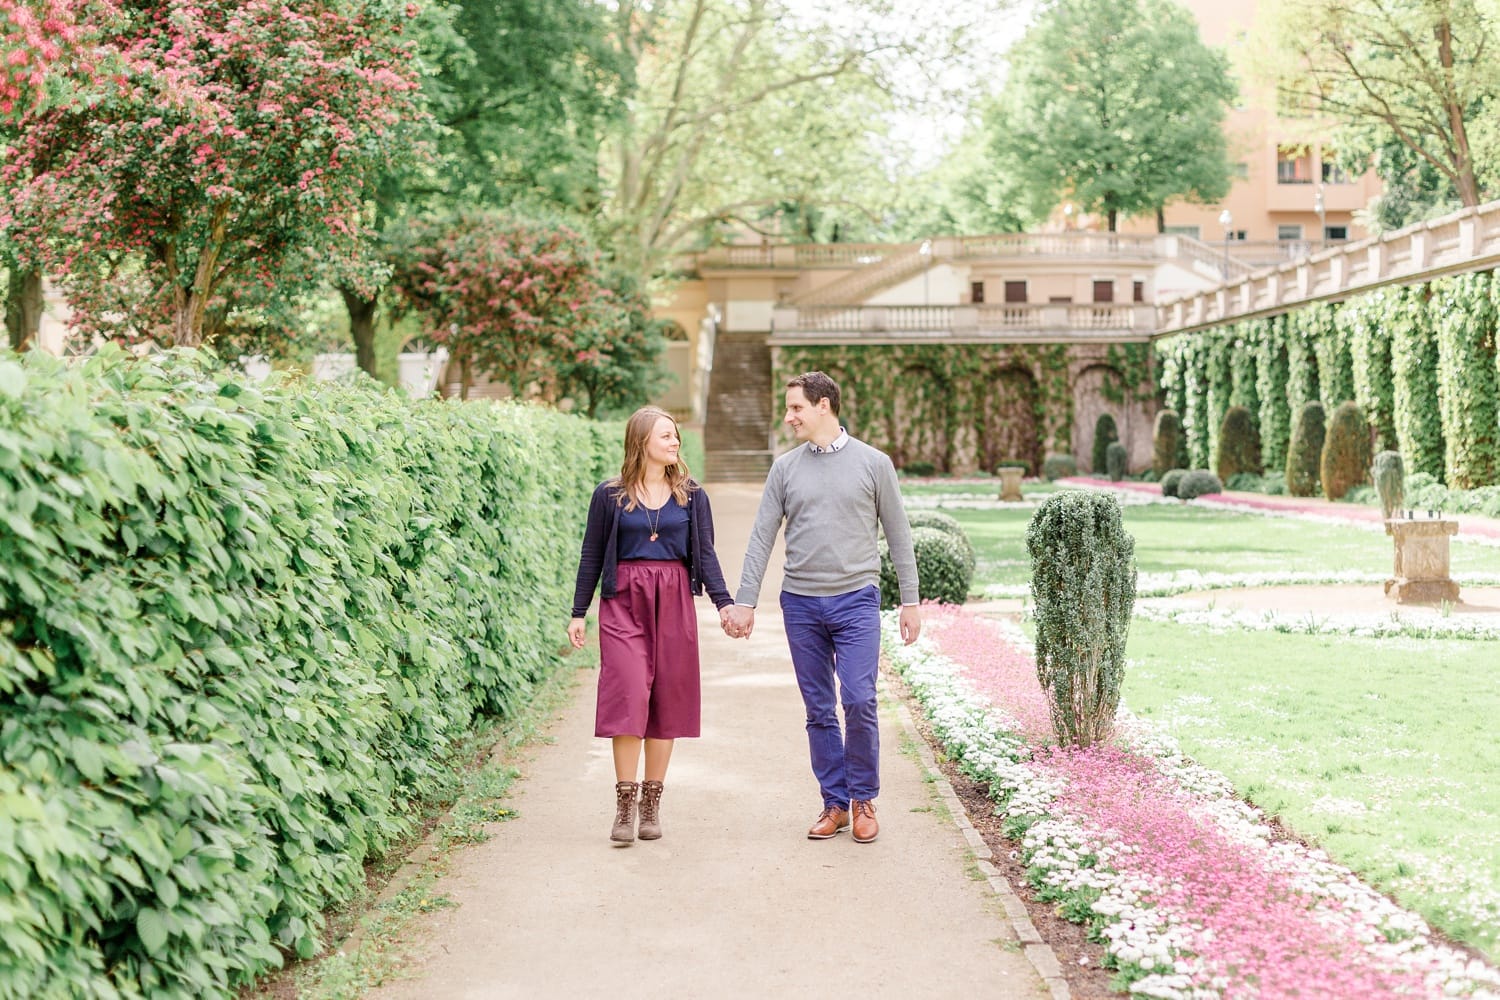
[(1421, 362), (241, 628)]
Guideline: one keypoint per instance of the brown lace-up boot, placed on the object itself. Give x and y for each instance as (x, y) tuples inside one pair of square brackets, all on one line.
[(623, 831), (650, 811)]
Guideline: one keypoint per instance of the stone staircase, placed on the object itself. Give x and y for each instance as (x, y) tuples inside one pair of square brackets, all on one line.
[(860, 284), (737, 429)]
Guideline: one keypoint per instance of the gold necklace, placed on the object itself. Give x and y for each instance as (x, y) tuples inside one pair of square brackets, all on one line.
[(654, 524)]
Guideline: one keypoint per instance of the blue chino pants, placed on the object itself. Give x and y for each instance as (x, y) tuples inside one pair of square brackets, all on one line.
[(838, 638)]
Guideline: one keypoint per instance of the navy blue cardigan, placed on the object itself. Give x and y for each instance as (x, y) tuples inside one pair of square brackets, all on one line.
[(597, 560)]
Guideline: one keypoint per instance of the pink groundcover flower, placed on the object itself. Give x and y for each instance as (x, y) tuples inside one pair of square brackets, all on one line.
[(1184, 882)]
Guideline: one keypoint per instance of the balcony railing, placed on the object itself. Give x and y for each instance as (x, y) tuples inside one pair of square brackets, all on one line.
[(970, 322), (1467, 240), (1084, 245)]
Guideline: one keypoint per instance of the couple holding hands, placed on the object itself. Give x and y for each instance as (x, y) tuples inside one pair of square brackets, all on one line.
[(649, 547)]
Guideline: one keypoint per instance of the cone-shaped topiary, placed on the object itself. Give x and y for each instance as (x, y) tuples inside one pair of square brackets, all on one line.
[(1390, 482), (1166, 442), (1105, 432), (1305, 452), (1116, 458), (1239, 444), (1083, 586), (1346, 451)]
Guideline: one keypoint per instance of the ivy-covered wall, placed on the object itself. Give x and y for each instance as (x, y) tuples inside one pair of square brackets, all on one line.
[(1421, 362), (962, 407)]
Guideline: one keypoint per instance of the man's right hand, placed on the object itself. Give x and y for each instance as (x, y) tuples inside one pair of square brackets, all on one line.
[(738, 621)]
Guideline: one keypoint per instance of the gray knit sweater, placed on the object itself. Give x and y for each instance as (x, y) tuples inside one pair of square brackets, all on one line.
[(832, 503)]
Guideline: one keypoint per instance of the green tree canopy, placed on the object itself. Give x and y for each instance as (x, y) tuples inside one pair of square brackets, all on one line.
[(1420, 73), (1116, 104)]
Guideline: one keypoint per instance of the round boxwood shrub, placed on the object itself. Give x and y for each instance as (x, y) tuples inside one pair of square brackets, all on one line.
[(1390, 482), (942, 522), (945, 568), (1166, 441), (1239, 444), (1170, 481), (1198, 483), (1346, 451), (1306, 451), (1116, 458), (1083, 586), (1059, 467), (919, 468)]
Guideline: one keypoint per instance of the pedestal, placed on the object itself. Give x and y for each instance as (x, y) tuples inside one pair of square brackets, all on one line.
[(1010, 483), (1421, 574)]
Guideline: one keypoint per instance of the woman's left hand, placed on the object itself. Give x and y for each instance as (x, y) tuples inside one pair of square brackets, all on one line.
[(576, 630)]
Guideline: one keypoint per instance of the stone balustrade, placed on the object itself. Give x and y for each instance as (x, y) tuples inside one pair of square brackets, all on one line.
[(1467, 240), (1017, 321)]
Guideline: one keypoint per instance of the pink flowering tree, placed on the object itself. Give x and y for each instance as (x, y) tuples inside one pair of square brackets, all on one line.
[(228, 136), (35, 38), (510, 296)]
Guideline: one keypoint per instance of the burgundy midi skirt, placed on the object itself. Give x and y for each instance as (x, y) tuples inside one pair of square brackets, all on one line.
[(648, 654)]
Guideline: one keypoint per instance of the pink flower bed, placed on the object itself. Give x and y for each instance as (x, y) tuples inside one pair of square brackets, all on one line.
[(1252, 927), (995, 667), (1255, 926)]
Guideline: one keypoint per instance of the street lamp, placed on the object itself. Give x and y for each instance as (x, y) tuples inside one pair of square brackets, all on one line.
[(1226, 220), (926, 252), (1067, 216), (1322, 211)]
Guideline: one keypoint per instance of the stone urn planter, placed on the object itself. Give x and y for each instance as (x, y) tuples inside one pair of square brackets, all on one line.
[(1421, 574), (1010, 482)]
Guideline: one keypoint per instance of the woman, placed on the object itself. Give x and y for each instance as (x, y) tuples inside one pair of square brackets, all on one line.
[(648, 547)]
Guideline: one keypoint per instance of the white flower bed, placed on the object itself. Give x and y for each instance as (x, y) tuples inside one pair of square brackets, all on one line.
[(1139, 935), (1309, 623)]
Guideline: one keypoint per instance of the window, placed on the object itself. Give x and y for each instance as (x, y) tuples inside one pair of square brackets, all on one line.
[(1289, 232), (1293, 165), (1335, 234), (1138, 291), (976, 292), (1192, 231), (1015, 291), (1104, 291), (1332, 172)]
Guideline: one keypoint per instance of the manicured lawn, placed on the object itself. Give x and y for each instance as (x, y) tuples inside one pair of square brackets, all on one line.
[(1384, 752), (1172, 538)]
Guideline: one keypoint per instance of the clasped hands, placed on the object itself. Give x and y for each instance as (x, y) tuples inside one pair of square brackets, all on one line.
[(737, 621)]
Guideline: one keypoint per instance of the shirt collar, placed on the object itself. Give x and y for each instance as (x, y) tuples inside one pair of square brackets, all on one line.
[(835, 445)]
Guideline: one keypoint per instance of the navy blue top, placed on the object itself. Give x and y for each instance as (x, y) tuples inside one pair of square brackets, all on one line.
[(671, 523), (601, 552)]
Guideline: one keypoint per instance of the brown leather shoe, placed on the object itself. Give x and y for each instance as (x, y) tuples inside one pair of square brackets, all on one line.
[(865, 827), (832, 821)]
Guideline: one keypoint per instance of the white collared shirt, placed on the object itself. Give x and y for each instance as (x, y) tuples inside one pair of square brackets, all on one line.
[(834, 445)]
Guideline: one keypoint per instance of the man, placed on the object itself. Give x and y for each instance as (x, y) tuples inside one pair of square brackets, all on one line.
[(832, 492)]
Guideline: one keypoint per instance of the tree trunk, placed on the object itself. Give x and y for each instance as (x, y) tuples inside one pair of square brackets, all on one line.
[(23, 306), (362, 312), (1463, 159), (1161, 219), (187, 318), (1114, 219)]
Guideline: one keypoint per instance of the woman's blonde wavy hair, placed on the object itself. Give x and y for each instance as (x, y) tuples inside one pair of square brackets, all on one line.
[(632, 478)]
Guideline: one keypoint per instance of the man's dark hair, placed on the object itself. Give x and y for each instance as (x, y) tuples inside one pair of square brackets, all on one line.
[(816, 386)]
